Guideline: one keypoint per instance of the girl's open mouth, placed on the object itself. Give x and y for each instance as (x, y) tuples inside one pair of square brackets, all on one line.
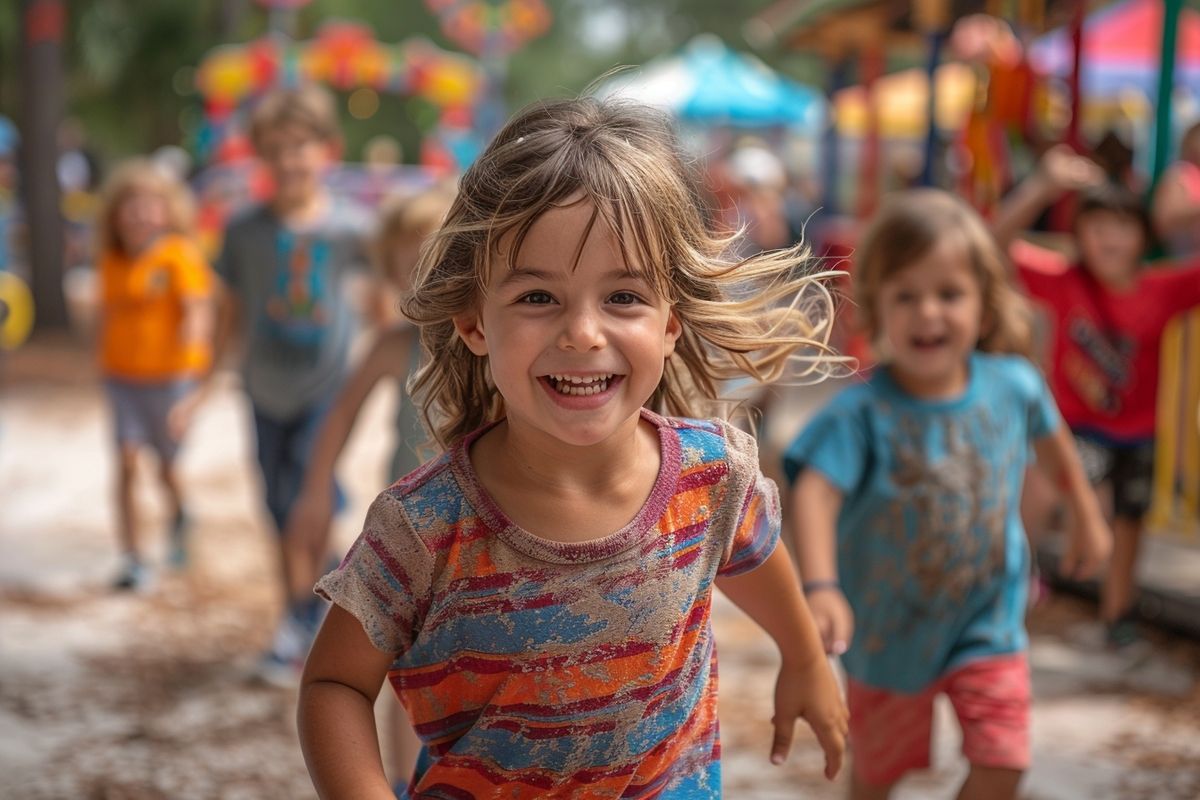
[(581, 385)]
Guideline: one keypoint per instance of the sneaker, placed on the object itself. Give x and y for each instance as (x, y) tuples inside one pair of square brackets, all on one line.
[(1122, 633), (177, 551), (278, 671), (134, 576), (283, 663)]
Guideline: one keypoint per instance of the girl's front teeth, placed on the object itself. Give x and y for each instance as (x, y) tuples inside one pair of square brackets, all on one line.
[(580, 387)]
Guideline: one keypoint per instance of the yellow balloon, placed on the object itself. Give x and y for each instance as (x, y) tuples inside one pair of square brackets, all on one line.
[(450, 85), (226, 75), (16, 311)]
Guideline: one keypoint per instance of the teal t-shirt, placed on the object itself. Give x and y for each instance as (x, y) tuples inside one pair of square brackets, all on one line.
[(932, 555)]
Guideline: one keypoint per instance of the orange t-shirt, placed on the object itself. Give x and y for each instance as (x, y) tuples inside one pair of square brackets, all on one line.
[(141, 336)]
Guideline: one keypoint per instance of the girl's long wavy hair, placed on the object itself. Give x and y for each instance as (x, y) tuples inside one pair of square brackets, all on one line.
[(740, 318), (906, 228)]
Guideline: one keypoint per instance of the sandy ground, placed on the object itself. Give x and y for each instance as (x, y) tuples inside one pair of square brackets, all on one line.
[(107, 697)]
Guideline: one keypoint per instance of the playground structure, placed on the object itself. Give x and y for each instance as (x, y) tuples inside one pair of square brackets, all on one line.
[(1116, 64), (343, 55)]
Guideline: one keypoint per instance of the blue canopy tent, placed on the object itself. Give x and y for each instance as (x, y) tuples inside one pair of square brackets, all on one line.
[(709, 84)]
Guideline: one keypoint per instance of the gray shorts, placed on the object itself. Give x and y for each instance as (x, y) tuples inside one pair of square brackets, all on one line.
[(140, 412)]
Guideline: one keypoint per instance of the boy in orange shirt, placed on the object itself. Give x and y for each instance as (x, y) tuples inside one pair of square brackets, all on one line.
[(155, 322)]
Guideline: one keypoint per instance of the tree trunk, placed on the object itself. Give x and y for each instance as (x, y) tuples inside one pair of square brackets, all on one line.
[(42, 25)]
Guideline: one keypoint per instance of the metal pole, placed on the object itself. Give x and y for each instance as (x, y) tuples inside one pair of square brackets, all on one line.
[(1163, 128), (936, 39), (1074, 139)]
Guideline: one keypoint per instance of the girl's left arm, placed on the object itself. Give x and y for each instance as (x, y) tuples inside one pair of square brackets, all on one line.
[(335, 714), (770, 595), (1090, 539)]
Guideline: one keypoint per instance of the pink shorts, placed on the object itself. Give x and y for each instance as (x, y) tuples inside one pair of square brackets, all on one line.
[(890, 732)]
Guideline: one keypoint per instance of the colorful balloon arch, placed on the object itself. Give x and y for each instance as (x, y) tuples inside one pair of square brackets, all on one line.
[(346, 56), (491, 28)]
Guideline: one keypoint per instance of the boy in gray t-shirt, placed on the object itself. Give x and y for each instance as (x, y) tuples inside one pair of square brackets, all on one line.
[(284, 264)]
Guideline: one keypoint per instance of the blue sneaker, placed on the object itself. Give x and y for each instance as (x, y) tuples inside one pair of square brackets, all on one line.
[(283, 663), (134, 576)]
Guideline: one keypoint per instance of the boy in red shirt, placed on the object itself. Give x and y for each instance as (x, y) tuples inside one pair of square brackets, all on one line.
[(1107, 314)]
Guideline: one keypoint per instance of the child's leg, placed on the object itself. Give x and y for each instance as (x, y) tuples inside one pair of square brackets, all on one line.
[(861, 790), (283, 454), (889, 735), (129, 426), (992, 700), (990, 783), (271, 439), (1119, 582), (127, 531), (162, 402), (306, 564), (1132, 486)]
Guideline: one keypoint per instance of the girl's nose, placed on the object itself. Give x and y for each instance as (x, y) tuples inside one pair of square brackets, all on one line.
[(581, 330)]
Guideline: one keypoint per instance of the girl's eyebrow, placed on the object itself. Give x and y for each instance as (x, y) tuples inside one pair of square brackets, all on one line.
[(518, 274)]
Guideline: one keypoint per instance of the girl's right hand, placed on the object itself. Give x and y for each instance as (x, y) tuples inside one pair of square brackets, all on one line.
[(834, 617)]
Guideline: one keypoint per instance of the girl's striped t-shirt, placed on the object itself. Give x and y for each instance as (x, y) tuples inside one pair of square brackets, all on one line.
[(536, 668)]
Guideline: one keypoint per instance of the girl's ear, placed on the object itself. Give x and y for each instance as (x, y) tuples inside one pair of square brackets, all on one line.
[(469, 328), (671, 335)]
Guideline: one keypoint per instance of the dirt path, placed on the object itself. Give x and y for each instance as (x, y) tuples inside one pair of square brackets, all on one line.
[(107, 697)]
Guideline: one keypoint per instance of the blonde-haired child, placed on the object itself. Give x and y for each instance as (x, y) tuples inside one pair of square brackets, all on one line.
[(155, 321), (905, 503), (405, 222), (540, 595)]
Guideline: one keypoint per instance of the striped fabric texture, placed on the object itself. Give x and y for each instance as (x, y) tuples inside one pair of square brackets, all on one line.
[(535, 668)]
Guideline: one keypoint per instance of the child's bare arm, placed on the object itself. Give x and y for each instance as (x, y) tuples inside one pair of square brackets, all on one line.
[(227, 309), (1059, 170), (336, 717), (199, 317), (813, 514), (1090, 537), (388, 356), (1173, 210), (771, 596), (308, 523)]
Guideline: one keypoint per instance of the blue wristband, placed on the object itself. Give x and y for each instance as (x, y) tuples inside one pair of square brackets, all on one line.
[(817, 586)]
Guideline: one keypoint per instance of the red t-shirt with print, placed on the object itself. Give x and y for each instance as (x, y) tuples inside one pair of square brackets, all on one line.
[(1105, 357)]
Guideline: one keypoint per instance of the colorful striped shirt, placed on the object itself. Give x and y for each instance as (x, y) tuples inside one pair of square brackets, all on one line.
[(537, 668)]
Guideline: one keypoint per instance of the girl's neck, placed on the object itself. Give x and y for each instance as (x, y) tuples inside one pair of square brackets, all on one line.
[(942, 387), (567, 493), (551, 465)]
